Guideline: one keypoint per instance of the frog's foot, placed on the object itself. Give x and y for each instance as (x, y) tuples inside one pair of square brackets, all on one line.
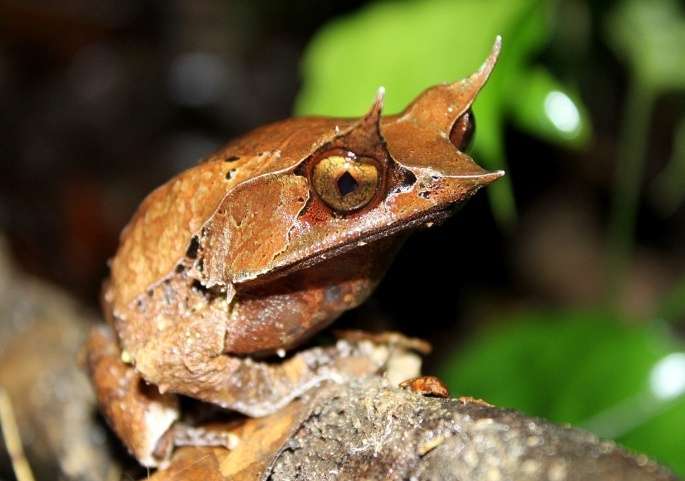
[(389, 338), (136, 411)]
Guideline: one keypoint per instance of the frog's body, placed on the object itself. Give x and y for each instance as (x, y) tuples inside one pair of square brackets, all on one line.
[(264, 244)]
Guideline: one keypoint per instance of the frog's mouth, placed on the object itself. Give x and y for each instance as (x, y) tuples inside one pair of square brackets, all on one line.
[(404, 226)]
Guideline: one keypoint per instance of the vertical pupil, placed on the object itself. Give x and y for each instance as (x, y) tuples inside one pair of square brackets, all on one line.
[(346, 184)]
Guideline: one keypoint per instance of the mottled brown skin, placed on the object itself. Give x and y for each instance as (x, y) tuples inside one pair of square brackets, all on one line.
[(241, 256), (124, 396)]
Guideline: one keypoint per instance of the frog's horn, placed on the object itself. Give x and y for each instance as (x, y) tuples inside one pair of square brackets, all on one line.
[(366, 132), (372, 120), (445, 103), (419, 137), (476, 81)]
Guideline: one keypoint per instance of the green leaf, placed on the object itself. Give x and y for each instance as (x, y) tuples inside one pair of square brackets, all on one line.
[(410, 45), (590, 369), (404, 46), (650, 37), (512, 363), (544, 107)]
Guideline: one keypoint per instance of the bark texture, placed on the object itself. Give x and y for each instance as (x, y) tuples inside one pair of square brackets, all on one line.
[(374, 431)]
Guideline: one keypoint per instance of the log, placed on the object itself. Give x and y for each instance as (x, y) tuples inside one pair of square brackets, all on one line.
[(373, 430)]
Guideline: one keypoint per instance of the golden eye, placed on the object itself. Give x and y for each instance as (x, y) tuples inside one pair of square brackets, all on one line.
[(345, 182), (463, 130)]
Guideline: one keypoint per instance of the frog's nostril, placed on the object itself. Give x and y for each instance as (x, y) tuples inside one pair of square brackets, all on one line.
[(347, 184)]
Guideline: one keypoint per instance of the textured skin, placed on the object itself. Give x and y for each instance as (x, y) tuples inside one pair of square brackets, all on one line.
[(159, 234), (122, 395), (240, 256)]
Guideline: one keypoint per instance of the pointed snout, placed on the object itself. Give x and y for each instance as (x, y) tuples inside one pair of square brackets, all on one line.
[(484, 179)]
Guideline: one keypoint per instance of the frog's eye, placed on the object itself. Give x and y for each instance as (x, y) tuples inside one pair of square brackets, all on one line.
[(463, 130), (345, 182)]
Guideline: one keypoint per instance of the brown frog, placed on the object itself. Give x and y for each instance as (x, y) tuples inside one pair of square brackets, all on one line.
[(262, 245)]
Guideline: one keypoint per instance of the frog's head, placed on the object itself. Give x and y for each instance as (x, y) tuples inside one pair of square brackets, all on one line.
[(368, 179)]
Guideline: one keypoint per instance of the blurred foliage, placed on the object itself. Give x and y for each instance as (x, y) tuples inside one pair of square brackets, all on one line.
[(672, 308), (408, 46), (542, 108), (590, 369), (649, 37), (668, 189)]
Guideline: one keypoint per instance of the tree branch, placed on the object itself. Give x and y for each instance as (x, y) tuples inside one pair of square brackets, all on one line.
[(374, 431)]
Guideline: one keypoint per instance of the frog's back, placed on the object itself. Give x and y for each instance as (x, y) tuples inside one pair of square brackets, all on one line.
[(163, 230)]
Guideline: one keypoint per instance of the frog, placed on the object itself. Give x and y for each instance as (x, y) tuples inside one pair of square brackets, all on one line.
[(225, 271)]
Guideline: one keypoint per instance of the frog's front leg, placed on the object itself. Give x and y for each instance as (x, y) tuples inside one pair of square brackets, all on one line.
[(142, 417), (189, 359), (203, 344)]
